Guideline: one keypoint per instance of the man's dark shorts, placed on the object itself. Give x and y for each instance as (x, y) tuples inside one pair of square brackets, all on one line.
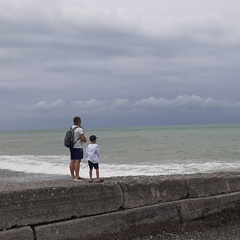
[(93, 165), (76, 153)]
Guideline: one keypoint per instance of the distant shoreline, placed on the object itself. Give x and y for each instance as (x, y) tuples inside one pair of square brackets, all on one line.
[(63, 129)]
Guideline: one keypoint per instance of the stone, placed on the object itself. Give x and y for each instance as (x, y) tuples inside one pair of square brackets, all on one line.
[(192, 209), (44, 205), (110, 226), (207, 185), (24, 233), (147, 190)]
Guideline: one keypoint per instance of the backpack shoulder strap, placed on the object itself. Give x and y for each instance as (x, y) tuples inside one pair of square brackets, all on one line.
[(73, 134)]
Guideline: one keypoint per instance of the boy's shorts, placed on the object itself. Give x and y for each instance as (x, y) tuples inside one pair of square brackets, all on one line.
[(93, 165), (76, 153)]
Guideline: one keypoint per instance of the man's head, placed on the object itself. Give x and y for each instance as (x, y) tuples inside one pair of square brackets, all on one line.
[(77, 121)]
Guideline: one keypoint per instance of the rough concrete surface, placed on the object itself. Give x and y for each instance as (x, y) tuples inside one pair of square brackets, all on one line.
[(48, 204), (25, 233), (118, 208), (141, 191), (192, 209), (113, 225)]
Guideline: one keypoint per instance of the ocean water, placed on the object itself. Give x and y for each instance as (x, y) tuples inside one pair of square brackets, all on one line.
[(160, 150)]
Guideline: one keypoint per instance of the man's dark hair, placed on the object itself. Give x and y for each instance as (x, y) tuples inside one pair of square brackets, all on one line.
[(76, 119)]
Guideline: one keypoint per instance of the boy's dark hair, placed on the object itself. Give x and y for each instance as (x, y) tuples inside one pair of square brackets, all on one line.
[(92, 138), (76, 119)]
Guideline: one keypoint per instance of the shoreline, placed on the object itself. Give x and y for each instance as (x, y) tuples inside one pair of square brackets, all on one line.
[(8, 176)]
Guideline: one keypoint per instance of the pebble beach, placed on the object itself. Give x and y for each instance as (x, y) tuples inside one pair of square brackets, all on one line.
[(228, 231)]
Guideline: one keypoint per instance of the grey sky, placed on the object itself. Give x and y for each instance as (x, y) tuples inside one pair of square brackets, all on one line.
[(114, 63)]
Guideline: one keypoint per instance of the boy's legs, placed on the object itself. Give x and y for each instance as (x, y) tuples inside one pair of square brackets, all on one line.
[(90, 174), (97, 173), (90, 164), (96, 166)]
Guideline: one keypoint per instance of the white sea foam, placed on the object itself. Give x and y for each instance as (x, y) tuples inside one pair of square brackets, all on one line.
[(59, 165)]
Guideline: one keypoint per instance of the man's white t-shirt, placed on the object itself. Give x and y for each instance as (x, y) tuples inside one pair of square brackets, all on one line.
[(77, 133)]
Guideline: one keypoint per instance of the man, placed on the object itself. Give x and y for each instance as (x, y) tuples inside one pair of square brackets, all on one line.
[(76, 151)]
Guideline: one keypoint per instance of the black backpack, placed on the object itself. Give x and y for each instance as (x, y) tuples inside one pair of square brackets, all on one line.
[(69, 138)]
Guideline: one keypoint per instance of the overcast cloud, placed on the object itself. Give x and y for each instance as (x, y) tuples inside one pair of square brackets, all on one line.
[(119, 63)]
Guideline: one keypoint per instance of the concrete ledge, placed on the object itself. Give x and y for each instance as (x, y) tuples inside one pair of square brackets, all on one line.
[(198, 208), (25, 233), (111, 226), (116, 208), (147, 190), (205, 185), (44, 205), (142, 191), (143, 220)]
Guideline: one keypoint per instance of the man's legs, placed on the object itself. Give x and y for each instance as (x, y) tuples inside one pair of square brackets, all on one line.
[(77, 168), (71, 167), (76, 157)]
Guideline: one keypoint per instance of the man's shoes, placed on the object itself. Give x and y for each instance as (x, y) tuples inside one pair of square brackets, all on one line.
[(78, 179)]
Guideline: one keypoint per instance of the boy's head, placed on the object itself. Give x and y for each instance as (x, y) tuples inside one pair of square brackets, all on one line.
[(92, 138)]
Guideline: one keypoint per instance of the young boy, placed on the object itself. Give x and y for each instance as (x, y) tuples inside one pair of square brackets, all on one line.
[(92, 152)]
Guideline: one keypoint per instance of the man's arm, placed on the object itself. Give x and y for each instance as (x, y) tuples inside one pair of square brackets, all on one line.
[(83, 138)]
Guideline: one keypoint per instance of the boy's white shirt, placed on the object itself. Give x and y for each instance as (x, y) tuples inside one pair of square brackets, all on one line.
[(92, 153)]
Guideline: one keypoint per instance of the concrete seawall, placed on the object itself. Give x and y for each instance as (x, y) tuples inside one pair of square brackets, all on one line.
[(118, 208)]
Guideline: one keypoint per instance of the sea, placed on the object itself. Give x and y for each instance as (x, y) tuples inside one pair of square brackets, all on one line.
[(153, 150)]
